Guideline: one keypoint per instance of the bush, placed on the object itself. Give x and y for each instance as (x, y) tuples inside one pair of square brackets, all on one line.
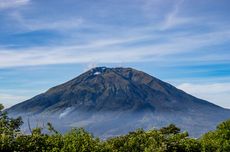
[(166, 139)]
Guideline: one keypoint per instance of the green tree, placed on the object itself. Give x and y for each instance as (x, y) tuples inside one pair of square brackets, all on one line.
[(166, 139), (217, 140), (170, 129), (78, 140), (9, 130)]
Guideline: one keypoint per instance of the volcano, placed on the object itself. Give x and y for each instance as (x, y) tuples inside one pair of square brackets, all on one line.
[(114, 101)]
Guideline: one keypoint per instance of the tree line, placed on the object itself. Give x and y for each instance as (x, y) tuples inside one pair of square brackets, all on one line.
[(166, 139)]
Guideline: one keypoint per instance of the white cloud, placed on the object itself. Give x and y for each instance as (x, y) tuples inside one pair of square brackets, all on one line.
[(170, 12), (9, 100), (12, 3), (51, 23), (112, 50), (65, 112), (152, 8), (217, 93), (90, 66), (172, 19), (10, 97)]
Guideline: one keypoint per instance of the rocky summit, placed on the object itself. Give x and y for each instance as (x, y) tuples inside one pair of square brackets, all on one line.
[(114, 101)]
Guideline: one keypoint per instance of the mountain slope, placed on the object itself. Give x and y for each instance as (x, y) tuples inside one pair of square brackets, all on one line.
[(112, 101)]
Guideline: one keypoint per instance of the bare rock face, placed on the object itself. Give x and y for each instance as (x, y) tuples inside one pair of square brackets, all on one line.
[(112, 101)]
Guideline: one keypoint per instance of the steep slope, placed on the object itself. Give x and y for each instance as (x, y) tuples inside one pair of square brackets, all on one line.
[(112, 101)]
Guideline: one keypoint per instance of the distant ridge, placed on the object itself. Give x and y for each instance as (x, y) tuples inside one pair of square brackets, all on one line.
[(113, 101)]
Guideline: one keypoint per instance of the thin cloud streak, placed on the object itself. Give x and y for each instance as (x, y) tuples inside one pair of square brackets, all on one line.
[(39, 24), (4, 4), (173, 19)]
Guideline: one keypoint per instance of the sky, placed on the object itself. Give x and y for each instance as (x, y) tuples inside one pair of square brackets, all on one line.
[(183, 42)]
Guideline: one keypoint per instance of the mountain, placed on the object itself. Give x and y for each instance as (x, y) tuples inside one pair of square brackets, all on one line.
[(113, 101)]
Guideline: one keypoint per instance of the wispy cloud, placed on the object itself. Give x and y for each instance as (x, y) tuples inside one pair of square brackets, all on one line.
[(33, 24), (112, 50), (10, 97), (12, 3), (173, 18), (90, 66), (218, 93)]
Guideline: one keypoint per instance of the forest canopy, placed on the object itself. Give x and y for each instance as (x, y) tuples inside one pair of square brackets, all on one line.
[(166, 139)]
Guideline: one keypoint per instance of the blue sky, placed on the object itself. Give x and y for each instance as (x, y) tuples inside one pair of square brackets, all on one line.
[(183, 42)]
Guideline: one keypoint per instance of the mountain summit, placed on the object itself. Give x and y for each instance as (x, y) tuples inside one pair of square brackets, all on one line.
[(113, 101)]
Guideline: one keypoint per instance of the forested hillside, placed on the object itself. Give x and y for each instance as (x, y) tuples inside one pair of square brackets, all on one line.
[(166, 139)]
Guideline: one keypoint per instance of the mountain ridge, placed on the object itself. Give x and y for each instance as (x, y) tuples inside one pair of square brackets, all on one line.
[(121, 93)]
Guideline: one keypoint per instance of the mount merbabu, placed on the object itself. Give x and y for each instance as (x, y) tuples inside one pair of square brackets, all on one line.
[(114, 101)]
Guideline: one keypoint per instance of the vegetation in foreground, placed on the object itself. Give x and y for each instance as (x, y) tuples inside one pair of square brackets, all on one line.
[(166, 139)]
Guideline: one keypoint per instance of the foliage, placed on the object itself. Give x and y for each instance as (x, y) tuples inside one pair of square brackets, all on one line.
[(218, 140), (9, 130), (171, 129), (166, 139)]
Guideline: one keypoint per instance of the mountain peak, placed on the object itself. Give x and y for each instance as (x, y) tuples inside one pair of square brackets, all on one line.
[(107, 70), (112, 89), (99, 69), (125, 73), (125, 93)]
